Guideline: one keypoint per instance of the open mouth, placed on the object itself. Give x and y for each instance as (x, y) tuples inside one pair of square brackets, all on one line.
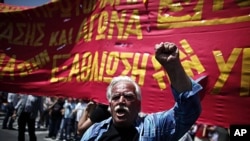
[(121, 112)]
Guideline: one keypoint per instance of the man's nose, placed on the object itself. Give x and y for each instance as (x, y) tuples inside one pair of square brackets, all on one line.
[(122, 98)]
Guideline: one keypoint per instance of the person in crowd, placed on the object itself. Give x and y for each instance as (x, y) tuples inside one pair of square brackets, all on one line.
[(94, 112), (192, 131), (27, 110), (186, 137), (202, 133), (55, 117), (44, 121), (3, 101), (67, 125), (11, 103), (78, 111), (218, 133), (124, 97)]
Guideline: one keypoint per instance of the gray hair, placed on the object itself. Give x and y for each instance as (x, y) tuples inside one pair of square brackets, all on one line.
[(117, 79)]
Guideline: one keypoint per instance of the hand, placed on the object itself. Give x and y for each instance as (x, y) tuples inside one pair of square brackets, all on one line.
[(14, 116), (90, 107), (166, 53)]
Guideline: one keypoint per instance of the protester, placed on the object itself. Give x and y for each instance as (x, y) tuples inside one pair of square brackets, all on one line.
[(218, 133), (67, 125), (55, 117), (78, 111), (3, 101), (186, 137), (10, 108), (202, 132), (192, 131), (94, 112), (124, 96), (27, 110)]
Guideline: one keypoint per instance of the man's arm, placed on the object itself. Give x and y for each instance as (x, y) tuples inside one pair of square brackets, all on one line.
[(85, 122), (167, 55), (187, 107)]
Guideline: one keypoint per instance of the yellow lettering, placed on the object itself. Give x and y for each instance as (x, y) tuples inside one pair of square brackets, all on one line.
[(102, 25), (18, 39), (56, 69), (124, 58), (89, 32), (134, 20), (104, 3), (10, 67), (86, 66), (29, 35), (2, 56), (88, 6), (94, 70), (66, 8), (22, 68), (75, 68), (86, 29), (42, 58), (119, 24), (224, 68), (159, 74), (52, 8), (62, 37), (218, 5), (142, 71), (53, 38), (194, 62), (245, 75), (165, 20), (102, 65), (38, 41), (82, 30), (7, 33), (112, 63), (244, 3)]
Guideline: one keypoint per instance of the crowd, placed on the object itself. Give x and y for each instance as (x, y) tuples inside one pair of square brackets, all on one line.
[(68, 118), (64, 118)]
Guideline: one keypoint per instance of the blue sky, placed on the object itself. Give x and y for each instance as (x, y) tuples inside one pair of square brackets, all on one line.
[(26, 2)]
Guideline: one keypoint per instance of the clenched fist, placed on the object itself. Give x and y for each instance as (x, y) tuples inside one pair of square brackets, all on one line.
[(166, 53)]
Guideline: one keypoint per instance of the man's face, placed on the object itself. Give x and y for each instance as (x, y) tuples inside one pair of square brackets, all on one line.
[(124, 104)]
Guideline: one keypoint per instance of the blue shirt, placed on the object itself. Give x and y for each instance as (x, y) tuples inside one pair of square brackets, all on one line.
[(68, 108), (169, 125)]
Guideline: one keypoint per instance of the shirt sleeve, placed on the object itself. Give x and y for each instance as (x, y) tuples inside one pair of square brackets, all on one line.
[(175, 122), (187, 109)]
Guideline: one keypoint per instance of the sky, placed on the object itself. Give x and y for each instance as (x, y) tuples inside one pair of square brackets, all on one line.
[(26, 2)]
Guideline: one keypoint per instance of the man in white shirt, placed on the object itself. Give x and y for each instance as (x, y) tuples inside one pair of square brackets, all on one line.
[(27, 110), (8, 121)]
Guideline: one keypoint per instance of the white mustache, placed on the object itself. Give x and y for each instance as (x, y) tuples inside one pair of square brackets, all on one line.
[(121, 107)]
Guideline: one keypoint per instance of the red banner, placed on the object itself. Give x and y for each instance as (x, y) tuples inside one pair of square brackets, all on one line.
[(74, 48)]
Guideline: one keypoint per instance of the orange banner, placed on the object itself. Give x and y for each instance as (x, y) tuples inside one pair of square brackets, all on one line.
[(74, 48)]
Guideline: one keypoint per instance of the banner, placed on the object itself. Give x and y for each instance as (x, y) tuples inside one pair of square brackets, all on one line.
[(73, 48)]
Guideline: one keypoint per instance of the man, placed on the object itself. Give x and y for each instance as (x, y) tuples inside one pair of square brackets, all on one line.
[(124, 96), (8, 119), (94, 112), (27, 110), (67, 122), (55, 117)]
